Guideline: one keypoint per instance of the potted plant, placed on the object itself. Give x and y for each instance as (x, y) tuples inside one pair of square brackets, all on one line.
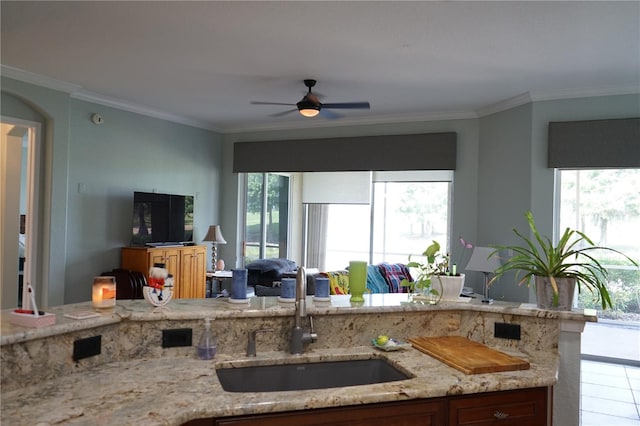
[(447, 286), (557, 268)]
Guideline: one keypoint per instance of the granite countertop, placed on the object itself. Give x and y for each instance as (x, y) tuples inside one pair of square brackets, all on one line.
[(181, 309), (170, 391)]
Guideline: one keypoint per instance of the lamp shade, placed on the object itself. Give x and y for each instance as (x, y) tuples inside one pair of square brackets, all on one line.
[(215, 235), (480, 260)]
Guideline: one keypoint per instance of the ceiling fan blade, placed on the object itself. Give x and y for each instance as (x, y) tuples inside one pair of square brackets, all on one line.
[(329, 114), (280, 114), (348, 105), (269, 103)]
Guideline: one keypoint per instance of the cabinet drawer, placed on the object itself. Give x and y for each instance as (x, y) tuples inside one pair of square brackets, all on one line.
[(522, 408), (413, 413)]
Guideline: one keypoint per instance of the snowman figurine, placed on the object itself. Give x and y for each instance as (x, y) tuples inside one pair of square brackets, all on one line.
[(159, 288)]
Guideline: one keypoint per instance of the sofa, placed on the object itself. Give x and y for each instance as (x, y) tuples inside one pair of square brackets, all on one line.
[(265, 274), (381, 278)]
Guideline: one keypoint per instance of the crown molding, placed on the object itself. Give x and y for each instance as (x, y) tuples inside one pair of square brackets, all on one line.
[(97, 98), (39, 80), (538, 96), (504, 105), (76, 92)]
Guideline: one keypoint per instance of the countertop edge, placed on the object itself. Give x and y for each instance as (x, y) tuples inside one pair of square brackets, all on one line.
[(194, 309)]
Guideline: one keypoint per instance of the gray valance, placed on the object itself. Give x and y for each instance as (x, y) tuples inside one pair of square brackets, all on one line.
[(430, 151), (611, 143)]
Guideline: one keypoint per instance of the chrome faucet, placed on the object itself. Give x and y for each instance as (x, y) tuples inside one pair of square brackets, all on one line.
[(251, 344), (298, 336)]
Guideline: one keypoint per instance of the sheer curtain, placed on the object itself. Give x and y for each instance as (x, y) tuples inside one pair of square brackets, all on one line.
[(317, 235)]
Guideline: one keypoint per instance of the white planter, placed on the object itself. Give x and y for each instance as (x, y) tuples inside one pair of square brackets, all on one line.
[(449, 286)]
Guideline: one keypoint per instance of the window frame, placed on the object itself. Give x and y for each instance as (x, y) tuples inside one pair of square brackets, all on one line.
[(263, 225)]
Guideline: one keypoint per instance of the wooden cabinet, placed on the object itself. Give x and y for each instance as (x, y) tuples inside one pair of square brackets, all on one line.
[(193, 272), (408, 413), (187, 265), (525, 407)]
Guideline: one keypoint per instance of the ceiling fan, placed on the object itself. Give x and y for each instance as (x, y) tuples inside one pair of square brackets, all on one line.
[(310, 105)]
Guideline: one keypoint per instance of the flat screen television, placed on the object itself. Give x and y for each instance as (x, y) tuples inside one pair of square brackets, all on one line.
[(161, 219)]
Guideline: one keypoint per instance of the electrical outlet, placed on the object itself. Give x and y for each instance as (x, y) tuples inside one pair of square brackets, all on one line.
[(175, 337), (507, 331), (84, 348)]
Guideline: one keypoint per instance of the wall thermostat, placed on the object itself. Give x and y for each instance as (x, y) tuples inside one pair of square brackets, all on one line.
[(97, 119)]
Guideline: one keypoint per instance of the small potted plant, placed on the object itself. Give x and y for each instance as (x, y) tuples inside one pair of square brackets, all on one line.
[(435, 264), (557, 268)]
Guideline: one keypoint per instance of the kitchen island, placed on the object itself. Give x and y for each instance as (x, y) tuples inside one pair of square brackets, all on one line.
[(135, 380)]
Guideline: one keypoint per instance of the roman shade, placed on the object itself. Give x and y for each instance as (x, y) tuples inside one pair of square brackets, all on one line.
[(613, 143), (429, 151), (336, 188)]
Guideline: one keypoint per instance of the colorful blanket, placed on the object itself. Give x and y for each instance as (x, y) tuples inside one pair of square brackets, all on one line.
[(338, 281), (393, 274)]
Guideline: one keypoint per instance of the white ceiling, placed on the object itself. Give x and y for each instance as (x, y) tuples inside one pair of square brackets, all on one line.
[(203, 62)]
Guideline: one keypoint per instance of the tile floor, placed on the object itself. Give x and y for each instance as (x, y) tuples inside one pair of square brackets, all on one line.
[(610, 394)]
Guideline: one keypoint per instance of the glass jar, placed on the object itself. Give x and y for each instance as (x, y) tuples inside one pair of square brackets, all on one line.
[(103, 295)]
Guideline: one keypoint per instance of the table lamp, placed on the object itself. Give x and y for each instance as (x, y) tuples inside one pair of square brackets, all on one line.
[(480, 261), (215, 236)]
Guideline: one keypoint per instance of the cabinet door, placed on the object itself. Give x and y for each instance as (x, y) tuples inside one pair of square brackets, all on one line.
[(200, 272), (169, 257), (411, 413), (527, 407), (193, 273)]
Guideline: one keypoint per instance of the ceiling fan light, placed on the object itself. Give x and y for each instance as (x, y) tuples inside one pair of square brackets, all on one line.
[(309, 111)]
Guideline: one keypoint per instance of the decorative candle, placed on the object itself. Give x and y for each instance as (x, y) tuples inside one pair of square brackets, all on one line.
[(104, 292), (288, 290), (239, 284), (322, 287)]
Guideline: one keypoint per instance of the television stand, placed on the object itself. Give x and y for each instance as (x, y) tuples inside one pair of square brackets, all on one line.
[(164, 244)]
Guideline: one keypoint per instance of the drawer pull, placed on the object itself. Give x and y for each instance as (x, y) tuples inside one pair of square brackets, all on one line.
[(500, 415)]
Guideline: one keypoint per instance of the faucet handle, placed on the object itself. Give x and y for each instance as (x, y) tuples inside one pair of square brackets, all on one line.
[(251, 343), (313, 336)]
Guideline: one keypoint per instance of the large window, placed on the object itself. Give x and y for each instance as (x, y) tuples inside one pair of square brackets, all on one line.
[(402, 219), (605, 205), (267, 216)]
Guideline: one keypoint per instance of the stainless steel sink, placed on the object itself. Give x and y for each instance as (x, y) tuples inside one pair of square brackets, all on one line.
[(313, 375)]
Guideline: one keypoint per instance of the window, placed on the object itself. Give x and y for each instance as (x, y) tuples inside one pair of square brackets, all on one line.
[(407, 216), (403, 217), (266, 216), (605, 205)]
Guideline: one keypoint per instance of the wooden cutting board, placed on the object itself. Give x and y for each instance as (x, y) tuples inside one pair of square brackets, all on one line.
[(468, 356)]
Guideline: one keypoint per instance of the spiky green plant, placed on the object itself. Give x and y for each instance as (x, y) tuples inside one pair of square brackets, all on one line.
[(570, 258)]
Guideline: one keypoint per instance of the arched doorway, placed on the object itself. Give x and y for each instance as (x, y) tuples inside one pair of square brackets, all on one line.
[(19, 207)]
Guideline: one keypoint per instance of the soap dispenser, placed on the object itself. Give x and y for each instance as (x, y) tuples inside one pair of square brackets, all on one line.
[(208, 342)]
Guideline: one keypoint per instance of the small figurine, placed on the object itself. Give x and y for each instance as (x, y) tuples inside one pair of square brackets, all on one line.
[(220, 265), (159, 288)]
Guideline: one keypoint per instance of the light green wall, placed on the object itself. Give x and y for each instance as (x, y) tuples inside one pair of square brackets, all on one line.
[(504, 184), (127, 153), (92, 172)]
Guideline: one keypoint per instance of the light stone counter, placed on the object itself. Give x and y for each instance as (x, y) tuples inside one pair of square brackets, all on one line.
[(135, 381), (182, 309)]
